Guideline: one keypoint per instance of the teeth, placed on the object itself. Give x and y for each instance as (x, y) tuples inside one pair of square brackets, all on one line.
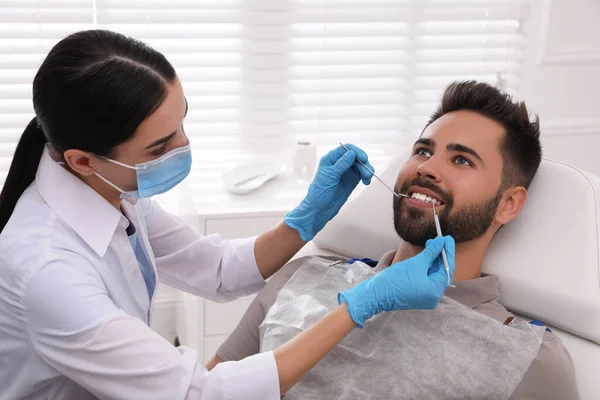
[(426, 199)]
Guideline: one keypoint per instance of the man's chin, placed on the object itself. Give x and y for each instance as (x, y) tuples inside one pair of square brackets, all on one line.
[(416, 240), (414, 232), (413, 225)]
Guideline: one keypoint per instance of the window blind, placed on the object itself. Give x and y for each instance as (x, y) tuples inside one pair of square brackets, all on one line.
[(261, 75)]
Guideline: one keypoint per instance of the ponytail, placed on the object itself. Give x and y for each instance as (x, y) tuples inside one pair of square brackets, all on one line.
[(22, 169)]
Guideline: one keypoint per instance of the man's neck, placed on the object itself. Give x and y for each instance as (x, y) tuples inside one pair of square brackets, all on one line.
[(469, 256)]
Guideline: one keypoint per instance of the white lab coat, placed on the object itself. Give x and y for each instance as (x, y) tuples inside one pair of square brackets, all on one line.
[(74, 309)]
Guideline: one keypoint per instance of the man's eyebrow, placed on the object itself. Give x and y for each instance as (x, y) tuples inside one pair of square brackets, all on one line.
[(161, 141), (464, 149), (425, 141)]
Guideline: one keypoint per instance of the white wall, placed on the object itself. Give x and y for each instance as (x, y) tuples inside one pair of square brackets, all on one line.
[(561, 81)]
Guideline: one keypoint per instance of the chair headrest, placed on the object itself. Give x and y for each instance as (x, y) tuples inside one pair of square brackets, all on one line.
[(547, 258)]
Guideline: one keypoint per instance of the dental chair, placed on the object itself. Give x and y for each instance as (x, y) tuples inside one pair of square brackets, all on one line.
[(547, 259)]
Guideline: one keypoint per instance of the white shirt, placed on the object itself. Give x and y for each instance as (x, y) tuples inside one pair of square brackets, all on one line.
[(74, 308)]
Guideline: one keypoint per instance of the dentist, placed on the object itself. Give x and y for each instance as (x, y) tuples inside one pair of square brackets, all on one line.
[(82, 246)]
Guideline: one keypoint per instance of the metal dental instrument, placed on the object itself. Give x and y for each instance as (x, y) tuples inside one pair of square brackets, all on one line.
[(388, 188), (439, 233)]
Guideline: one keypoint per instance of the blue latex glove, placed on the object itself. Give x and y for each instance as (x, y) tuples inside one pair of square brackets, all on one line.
[(336, 178), (415, 283)]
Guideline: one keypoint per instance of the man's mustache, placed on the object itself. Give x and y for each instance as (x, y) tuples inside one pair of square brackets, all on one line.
[(427, 184)]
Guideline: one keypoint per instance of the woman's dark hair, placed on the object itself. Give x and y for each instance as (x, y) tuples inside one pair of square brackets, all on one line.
[(91, 93), (520, 148)]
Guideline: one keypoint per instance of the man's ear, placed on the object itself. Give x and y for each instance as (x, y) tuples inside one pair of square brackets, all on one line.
[(511, 204), (80, 162)]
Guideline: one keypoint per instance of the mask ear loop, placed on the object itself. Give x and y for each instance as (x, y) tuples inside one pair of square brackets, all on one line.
[(109, 182), (106, 180), (63, 164), (135, 168)]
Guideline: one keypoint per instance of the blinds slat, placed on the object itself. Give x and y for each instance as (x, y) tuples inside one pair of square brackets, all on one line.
[(47, 15), (354, 111), (16, 106), (362, 4), (223, 73), (213, 101), (354, 57), (17, 76), (54, 31), (466, 55), (449, 68), (337, 29), (171, 4), (16, 121), (35, 4), (25, 46), (357, 124), (348, 98), (153, 16), (468, 27), (379, 70), (347, 85), (178, 30), (10, 136), (21, 61), (212, 87), (482, 41), (19, 91), (301, 15), (350, 43)]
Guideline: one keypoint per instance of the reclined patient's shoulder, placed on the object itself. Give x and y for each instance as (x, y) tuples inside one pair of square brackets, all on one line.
[(551, 375)]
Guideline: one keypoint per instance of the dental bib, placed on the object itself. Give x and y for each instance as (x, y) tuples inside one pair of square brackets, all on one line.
[(451, 352)]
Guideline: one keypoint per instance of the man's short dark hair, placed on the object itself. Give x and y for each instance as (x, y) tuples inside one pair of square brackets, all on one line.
[(520, 148)]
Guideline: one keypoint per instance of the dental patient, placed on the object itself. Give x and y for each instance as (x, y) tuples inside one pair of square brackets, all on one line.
[(474, 161)]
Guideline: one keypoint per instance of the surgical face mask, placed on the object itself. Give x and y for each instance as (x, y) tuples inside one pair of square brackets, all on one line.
[(156, 176)]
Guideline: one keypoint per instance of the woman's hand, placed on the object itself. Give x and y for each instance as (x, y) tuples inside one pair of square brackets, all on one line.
[(337, 176), (415, 283)]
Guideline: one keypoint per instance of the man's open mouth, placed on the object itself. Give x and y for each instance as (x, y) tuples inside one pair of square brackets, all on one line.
[(424, 195)]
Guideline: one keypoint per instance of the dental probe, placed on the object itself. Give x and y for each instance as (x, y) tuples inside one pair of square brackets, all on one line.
[(388, 188), (438, 228)]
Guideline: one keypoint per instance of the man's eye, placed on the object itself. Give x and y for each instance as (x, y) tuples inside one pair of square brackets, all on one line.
[(423, 152), (463, 161)]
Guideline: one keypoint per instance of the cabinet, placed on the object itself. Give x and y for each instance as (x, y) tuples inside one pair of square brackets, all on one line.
[(220, 319), (203, 324)]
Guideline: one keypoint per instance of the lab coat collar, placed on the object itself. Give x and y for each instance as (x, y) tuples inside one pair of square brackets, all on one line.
[(93, 218), (471, 293)]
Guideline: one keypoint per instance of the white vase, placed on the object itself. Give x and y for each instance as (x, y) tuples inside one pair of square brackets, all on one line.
[(305, 160)]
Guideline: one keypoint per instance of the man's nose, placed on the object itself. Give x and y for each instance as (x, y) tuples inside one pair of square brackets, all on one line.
[(429, 170)]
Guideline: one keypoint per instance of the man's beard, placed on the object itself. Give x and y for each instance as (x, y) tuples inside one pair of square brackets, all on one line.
[(416, 225)]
